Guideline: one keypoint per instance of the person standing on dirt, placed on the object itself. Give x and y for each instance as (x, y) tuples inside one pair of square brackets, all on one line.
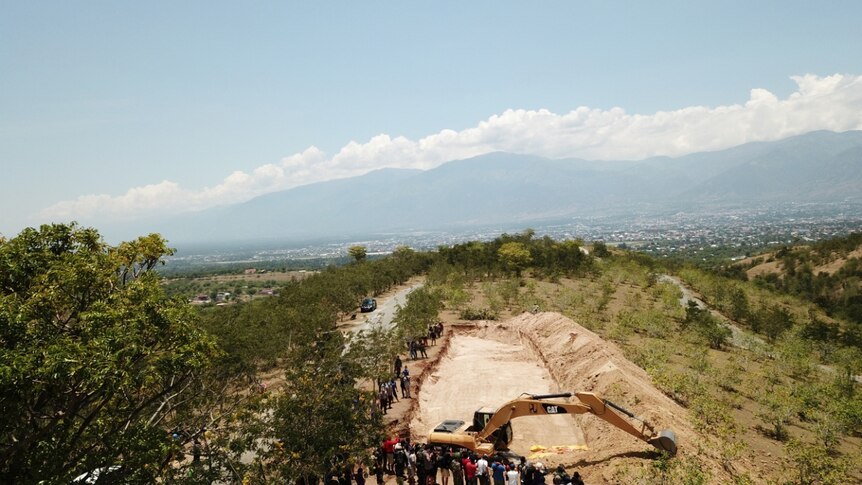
[(430, 466), (482, 470), (562, 475), (411, 465), (359, 476), (498, 472), (457, 470), (421, 462), (398, 364), (389, 450), (393, 390), (400, 463), (470, 471), (444, 463), (422, 346), (383, 397), (405, 386), (378, 471), (527, 472), (512, 476), (539, 475)]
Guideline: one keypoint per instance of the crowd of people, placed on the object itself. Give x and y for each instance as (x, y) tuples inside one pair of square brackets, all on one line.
[(417, 347), (387, 391), (418, 464)]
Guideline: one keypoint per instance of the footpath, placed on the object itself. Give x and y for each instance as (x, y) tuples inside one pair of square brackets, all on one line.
[(398, 418)]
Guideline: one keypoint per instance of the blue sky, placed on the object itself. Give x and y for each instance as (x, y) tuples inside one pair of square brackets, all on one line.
[(115, 110)]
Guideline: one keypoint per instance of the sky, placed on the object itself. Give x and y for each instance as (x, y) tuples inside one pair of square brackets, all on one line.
[(120, 110)]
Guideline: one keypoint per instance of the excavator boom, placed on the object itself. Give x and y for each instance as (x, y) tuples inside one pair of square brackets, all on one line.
[(549, 404)]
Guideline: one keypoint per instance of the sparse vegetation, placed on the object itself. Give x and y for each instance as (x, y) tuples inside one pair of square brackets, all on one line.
[(784, 382)]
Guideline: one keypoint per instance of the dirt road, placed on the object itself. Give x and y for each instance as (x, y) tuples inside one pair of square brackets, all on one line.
[(387, 305), (738, 337)]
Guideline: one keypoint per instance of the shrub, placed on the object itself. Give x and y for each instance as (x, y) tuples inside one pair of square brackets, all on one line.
[(471, 313), (817, 464)]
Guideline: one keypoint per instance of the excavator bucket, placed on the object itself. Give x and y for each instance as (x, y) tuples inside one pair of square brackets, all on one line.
[(665, 441)]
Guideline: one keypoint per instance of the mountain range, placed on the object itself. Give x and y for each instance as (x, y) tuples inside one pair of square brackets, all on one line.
[(505, 188)]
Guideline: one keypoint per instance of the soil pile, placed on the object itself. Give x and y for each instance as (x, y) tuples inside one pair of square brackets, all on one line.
[(580, 360)]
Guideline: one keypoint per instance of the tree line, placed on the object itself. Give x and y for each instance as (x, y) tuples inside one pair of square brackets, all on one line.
[(838, 293), (102, 371)]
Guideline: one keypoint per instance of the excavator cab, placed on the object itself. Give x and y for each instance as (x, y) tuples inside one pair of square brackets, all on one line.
[(501, 437)]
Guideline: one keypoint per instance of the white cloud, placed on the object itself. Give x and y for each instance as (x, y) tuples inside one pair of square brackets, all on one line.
[(819, 103)]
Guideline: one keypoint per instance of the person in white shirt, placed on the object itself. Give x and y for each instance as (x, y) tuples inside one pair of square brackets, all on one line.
[(512, 476), (482, 470)]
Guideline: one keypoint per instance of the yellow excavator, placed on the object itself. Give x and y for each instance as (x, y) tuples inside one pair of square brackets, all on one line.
[(491, 430)]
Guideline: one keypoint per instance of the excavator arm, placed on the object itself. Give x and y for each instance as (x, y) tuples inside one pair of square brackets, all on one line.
[(548, 404)]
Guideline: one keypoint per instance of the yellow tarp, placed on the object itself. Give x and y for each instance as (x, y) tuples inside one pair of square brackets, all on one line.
[(539, 451)]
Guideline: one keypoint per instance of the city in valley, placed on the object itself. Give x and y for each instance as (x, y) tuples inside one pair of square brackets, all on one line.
[(723, 234)]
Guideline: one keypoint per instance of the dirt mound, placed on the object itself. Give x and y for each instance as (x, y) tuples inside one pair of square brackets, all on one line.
[(488, 363), (580, 360)]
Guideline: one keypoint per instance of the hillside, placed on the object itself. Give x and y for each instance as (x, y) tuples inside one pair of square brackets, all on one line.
[(502, 188), (826, 273), (761, 386), (738, 380)]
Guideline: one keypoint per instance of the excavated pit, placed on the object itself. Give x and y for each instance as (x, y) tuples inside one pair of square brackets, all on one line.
[(490, 363), (476, 372)]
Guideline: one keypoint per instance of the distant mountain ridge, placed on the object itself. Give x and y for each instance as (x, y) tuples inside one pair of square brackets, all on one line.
[(501, 188)]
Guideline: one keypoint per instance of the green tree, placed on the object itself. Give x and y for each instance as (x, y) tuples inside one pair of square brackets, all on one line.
[(515, 256), (321, 422), (775, 321), (96, 364), (817, 464), (413, 319), (600, 249), (373, 352), (778, 407), (358, 253)]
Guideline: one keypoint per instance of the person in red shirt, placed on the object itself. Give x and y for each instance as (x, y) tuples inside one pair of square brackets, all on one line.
[(470, 472), (389, 454)]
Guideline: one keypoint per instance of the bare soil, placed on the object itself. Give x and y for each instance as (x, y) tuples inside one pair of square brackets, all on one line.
[(277, 276), (478, 372), (833, 266), (764, 268), (489, 363)]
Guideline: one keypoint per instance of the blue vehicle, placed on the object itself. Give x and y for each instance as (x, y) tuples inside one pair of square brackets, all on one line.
[(368, 305)]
